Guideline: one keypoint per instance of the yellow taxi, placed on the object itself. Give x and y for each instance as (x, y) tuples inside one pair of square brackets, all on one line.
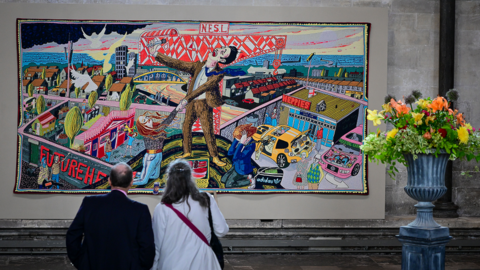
[(282, 143)]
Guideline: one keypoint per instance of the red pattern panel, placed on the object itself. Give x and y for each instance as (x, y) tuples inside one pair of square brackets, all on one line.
[(196, 47)]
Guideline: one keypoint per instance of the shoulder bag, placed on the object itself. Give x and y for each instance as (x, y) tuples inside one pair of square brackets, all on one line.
[(215, 243)]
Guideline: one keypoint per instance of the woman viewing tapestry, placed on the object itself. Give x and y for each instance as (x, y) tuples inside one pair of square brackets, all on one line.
[(176, 245)]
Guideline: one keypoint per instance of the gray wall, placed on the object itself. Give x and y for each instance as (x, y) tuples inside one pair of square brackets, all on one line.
[(466, 191)]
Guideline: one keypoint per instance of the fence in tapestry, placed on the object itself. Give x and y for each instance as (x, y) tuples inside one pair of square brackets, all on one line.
[(254, 107)]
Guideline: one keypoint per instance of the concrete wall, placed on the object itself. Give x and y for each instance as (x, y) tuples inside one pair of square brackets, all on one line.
[(412, 64), (466, 190)]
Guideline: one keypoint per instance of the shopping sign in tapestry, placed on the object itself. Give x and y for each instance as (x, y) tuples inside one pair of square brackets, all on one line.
[(253, 107)]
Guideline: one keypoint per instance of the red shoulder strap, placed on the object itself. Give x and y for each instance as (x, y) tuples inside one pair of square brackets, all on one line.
[(189, 224)]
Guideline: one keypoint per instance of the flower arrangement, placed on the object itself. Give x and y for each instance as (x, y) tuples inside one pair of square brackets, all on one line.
[(429, 128)]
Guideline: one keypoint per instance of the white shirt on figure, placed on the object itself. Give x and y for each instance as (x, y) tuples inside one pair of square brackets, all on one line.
[(201, 79), (176, 245)]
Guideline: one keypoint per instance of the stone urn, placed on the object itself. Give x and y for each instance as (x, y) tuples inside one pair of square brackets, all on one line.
[(424, 239)]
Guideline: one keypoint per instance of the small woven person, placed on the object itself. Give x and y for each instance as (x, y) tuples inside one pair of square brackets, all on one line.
[(131, 138), (300, 178), (56, 169), (152, 128), (108, 149), (241, 150), (274, 117), (43, 174), (315, 175), (268, 119), (318, 145)]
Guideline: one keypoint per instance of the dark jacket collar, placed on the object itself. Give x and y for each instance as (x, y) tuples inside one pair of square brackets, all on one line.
[(117, 193)]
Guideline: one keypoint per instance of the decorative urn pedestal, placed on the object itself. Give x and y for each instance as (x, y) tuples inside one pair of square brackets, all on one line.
[(424, 240)]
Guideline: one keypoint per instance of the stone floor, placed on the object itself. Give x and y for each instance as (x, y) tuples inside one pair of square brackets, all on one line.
[(267, 262)]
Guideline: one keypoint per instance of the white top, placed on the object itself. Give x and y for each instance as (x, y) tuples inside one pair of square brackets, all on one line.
[(177, 246), (201, 79)]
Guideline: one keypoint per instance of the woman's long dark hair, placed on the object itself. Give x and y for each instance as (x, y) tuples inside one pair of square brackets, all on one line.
[(180, 184)]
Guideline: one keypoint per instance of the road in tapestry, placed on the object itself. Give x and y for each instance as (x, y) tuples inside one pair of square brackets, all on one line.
[(254, 107)]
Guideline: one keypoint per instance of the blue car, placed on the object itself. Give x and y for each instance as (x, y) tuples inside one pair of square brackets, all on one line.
[(231, 102)]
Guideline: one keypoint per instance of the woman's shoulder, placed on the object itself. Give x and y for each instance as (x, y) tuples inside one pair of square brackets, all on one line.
[(160, 206), (207, 193), (210, 196)]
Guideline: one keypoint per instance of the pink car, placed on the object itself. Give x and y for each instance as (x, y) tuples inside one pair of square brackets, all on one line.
[(344, 158)]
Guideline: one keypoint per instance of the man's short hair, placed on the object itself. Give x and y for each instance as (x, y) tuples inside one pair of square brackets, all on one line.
[(232, 56), (121, 175)]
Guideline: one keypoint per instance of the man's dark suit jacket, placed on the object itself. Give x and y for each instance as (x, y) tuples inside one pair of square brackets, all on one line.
[(116, 231)]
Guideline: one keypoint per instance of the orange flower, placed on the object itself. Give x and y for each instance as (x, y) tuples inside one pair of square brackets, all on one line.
[(393, 103), (460, 119), (402, 110), (438, 104), (427, 135), (451, 112), (400, 107), (446, 104)]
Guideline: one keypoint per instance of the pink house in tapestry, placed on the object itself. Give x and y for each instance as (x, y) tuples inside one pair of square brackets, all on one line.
[(111, 126)]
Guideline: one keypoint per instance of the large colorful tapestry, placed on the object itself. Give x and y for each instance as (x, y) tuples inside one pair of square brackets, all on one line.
[(253, 107)]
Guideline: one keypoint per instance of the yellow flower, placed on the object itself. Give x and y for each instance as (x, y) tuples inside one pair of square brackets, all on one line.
[(468, 126), (429, 119), (375, 117), (422, 103), (462, 133), (417, 117), (378, 133), (387, 107), (392, 133)]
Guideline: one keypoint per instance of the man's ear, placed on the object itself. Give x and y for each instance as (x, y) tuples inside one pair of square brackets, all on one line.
[(131, 183)]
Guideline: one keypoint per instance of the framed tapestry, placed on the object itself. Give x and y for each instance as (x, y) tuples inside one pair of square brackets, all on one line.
[(254, 107)]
